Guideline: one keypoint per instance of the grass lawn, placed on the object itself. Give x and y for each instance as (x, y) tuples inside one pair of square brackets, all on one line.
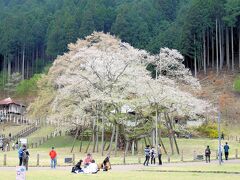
[(131, 175), (208, 167), (39, 134), (63, 175), (63, 146)]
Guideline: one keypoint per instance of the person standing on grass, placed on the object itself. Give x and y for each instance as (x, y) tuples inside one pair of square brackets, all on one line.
[(25, 156), (222, 136), (147, 155), (153, 155), (53, 157), (20, 155), (207, 154), (226, 151), (220, 153), (159, 151)]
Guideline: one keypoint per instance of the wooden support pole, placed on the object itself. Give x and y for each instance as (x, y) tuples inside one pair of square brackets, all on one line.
[(5, 160), (139, 158), (182, 156), (38, 159), (73, 159)]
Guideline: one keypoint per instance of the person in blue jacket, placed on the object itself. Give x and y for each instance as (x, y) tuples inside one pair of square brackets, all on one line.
[(20, 155), (226, 150)]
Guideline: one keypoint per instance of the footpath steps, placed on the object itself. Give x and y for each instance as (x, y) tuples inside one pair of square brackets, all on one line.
[(26, 132)]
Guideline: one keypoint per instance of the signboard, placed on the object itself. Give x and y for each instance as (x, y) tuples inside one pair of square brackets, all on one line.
[(23, 141), (67, 160), (21, 173)]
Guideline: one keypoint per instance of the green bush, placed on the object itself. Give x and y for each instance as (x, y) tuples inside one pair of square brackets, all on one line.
[(28, 86), (236, 84), (208, 130)]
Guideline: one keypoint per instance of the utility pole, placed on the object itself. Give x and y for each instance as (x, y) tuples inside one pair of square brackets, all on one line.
[(156, 127)]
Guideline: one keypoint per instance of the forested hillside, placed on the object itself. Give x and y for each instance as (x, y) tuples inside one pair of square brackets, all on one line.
[(34, 32)]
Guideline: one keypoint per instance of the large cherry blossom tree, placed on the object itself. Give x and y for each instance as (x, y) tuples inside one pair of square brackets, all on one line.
[(100, 75)]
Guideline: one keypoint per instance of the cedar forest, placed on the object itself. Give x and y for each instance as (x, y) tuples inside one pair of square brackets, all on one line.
[(34, 32)]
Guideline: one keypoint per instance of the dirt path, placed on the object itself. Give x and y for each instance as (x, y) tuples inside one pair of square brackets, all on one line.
[(133, 167)]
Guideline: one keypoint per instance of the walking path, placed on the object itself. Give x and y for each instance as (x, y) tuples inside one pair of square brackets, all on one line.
[(132, 167)]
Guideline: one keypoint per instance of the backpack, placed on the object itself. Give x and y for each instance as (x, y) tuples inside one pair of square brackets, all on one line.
[(25, 155), (207, 151)]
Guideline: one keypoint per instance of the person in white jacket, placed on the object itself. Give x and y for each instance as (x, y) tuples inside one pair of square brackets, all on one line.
[(221, 152), (92, 168)]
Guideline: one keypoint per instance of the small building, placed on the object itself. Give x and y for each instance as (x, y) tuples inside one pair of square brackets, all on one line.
[(11, 111)]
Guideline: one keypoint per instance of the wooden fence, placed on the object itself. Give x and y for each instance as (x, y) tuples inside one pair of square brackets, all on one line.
[(43, 159)]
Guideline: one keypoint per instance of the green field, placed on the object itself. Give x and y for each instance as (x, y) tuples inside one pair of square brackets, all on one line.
[(145, 174), (45, 175), (63, 146), (39, 134)]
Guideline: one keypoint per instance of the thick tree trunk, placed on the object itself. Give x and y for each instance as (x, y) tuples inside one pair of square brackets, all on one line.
[(93, 135), (76, 135), (195, 58), (239, 47), (111, 141), (208, 48), (171, 142), (127, 146), (9, 68), (23, 61), (81, 142), (3, 80), (153, 136), (217, 45), (89, 142), (213, 52), (145, 141), (220, 47), (149, 142), (232, 48), (204, 54), (133, 148), (227, 48), (27, 73), (173, 135), (169, 133), (18, 61), (102, 149), (223, 52), (161, 142), (116, 140), (97, 141), (32, 62)]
